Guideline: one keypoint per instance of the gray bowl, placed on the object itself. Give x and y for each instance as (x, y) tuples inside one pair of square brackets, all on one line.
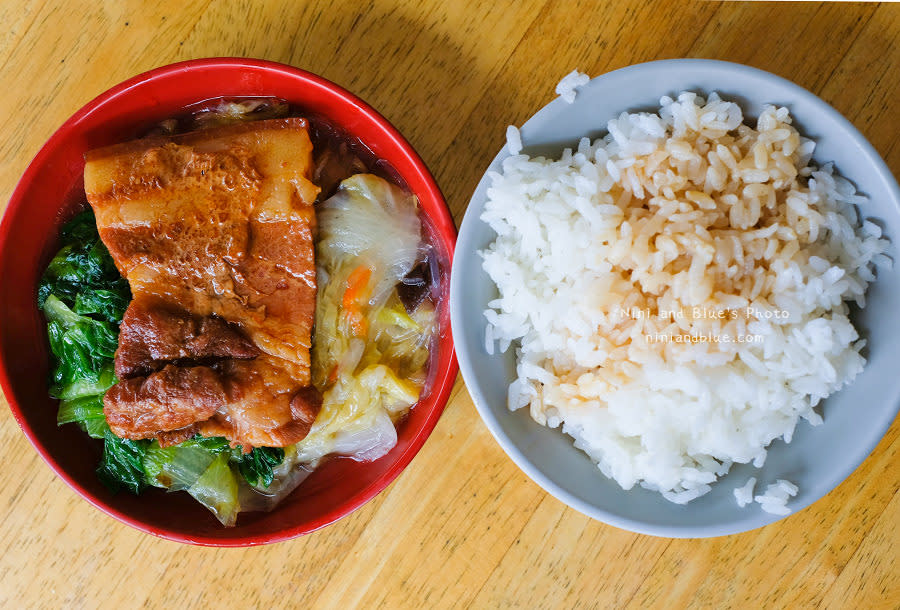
[(818, 458)]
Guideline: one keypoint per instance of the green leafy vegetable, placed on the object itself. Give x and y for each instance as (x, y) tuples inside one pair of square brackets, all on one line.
[(80, 410), (80, 230), (95, 428), (217, 490), (83, 298), (82, 274), (213, 444), (83, 350), (175, 468), (122, 463), (87, 412), (256, 466), (108, 304)]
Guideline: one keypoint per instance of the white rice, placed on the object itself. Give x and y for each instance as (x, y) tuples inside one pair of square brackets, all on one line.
[(571, 81), (744, 493), (775, 499), (677, 291), (513, 140)]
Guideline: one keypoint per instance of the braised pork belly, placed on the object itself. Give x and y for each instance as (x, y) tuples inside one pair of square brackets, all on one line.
[(214, 231)]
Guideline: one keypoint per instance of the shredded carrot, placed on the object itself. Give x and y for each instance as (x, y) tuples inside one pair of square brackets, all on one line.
[(357, 322), (354, 296), (357, 282)]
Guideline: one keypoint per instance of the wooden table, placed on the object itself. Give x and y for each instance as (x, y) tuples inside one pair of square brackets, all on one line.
[(462, 526)]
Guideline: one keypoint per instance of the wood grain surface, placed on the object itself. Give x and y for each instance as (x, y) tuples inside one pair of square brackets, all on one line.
[(462, 526)]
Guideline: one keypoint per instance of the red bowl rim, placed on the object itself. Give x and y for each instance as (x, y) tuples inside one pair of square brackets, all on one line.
[(440, 218)]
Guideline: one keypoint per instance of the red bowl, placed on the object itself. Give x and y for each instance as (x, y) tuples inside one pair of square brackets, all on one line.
[(50, 192)]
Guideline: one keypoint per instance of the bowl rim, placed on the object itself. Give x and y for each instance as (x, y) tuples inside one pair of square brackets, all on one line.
[(524, 463), (441, 220)]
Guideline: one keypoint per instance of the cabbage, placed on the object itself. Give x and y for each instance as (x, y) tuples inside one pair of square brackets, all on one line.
[(370, 355), (217, 489), (371, 220), (175, 468), (367, 443), (253, 481), (355, 419), (372, 226)]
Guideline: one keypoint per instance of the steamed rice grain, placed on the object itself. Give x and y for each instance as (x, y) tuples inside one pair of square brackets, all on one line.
[(775, 499), (513, 140), (571, 81), (744, 494)]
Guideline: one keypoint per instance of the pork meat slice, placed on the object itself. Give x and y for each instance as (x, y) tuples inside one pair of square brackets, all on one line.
[(169, 399), (152, 335), (263, 409)]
